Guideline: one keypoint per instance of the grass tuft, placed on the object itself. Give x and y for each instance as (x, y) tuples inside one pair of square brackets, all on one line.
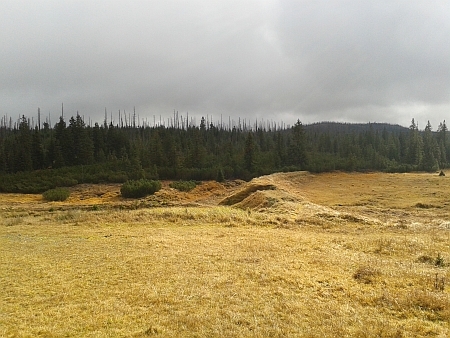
[(366, 274), (439, 261)]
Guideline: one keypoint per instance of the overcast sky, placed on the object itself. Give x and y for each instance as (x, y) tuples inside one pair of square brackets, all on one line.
[(353, 61)]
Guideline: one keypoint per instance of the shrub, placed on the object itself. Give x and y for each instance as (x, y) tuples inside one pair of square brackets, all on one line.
[(220, 176), (119, 177), (64, 181), (139, 188), (57, 194), (183, 185)]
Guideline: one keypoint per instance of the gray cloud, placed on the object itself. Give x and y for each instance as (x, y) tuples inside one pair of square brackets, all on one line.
[(384, 61)]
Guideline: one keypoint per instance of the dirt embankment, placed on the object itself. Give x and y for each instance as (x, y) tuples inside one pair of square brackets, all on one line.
[(268, 190), (277, 193)]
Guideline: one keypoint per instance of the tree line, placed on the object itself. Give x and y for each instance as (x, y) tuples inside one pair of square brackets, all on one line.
[(33, 159)]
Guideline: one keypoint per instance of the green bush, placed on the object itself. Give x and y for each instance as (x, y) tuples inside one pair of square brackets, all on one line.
[(119, 177), (65, 181), (57, 194), (139, 188), (220, 176), (183, 185)]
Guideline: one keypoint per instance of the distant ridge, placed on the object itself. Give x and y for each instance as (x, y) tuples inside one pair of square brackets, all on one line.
[(345, 128)]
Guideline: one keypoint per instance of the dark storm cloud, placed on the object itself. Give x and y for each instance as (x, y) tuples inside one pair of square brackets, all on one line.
[(313, 60)]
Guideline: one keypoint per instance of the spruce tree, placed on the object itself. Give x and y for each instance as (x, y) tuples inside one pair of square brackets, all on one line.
[(250, 153), (24, 145), (430, 150), (297, 151), (442, 143), (37, 152), (415, 145)]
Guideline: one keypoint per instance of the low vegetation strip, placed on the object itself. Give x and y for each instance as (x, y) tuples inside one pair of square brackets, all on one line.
[(184, 185), (139, 188)]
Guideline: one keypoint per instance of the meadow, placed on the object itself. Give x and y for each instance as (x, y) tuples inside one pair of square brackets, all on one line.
[(286, 255)]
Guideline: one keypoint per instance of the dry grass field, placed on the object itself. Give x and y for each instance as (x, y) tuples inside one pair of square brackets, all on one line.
[(286, 255)]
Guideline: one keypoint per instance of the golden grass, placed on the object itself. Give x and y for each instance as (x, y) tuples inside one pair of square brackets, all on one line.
[(326, 267)]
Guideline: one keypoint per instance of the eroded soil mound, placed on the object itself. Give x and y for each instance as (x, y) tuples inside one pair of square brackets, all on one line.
[(249, 190), (282, 194), (270, 190)]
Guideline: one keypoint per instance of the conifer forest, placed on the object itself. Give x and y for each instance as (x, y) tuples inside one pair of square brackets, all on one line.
[(34, 158)]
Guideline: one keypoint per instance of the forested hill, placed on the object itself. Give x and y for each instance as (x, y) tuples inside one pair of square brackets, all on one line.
[(34, 158), (337, 127)]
